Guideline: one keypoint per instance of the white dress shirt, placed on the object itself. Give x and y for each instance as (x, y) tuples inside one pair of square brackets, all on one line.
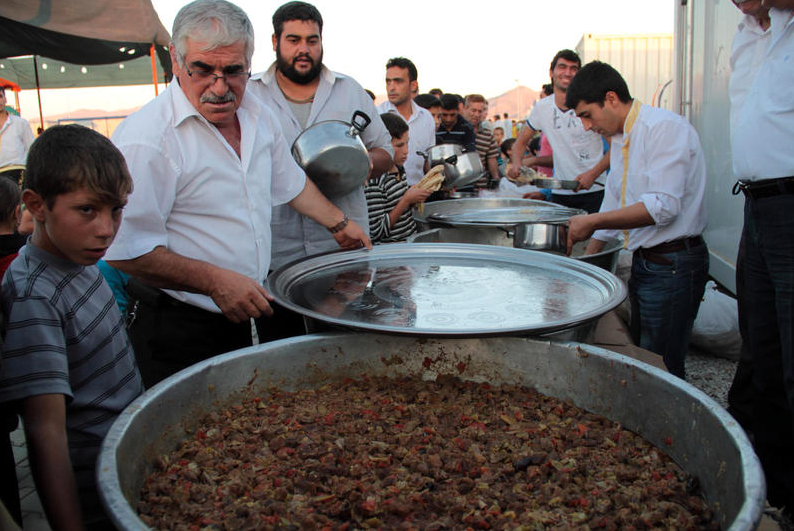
[(421, 137), (766, 120), (194, 195), (667, 173), (574, 150), (338, 96), (15, 140), (749, 48)]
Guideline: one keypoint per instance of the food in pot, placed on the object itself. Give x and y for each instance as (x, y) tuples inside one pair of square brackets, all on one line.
[(409, 454)]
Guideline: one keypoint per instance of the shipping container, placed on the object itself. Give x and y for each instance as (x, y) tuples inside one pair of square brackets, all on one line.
[(645, 61), (704, 33)]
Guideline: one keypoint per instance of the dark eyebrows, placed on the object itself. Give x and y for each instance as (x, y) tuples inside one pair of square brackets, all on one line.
[(395, 79), (307, 37), (229, 69)]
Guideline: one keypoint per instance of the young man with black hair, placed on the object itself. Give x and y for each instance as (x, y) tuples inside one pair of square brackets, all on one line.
[(401, 82), (654, 197), (577, 154), (454, 129)]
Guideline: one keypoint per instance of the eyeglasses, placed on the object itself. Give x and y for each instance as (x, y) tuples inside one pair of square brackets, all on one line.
[(228, 77)]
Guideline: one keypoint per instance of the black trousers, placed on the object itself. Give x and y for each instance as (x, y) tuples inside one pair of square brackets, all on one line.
[(169, 335), (589, 202)]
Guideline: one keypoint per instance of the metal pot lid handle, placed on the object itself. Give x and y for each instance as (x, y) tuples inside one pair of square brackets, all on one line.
[(453, 159), (358, 127)]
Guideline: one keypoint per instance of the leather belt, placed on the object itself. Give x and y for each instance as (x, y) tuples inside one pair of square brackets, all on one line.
[(656, 253), (765, 187)]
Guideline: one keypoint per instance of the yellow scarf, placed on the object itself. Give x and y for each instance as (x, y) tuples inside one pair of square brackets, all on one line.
[(627, 126)]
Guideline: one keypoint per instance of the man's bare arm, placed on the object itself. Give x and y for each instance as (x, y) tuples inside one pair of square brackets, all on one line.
[(238, 296), (519, 148), (581, 228), (587, 178), (311, 202)]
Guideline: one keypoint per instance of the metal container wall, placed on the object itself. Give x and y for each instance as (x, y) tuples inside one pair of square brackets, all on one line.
[(678, 418), (645, 62)]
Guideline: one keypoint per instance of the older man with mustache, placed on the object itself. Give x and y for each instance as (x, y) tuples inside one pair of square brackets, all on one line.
[(208, 161)]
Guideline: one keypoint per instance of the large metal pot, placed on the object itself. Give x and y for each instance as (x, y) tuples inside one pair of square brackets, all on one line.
[(463, 170), (679, 419), (500, 212), (606, 259), (440, 153), (333, 155)]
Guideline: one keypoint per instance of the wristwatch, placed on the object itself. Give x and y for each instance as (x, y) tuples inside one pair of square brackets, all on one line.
[(339, 226)]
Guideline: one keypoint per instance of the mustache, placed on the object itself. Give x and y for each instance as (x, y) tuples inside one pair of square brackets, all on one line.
[(303, 56), (214, 98)]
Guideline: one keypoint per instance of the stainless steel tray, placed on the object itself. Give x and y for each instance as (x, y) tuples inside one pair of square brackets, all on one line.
[(450, 290)]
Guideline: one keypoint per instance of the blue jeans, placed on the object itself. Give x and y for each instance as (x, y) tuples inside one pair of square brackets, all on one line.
[(768, 299), (664, 302)]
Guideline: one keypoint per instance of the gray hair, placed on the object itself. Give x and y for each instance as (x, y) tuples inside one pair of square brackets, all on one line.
[(215, 22)]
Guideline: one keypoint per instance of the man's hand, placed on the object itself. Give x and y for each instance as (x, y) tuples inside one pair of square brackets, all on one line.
[(586, 179), (352, 237), (579, 228), (513, 171), (238, 296), (534, 195)]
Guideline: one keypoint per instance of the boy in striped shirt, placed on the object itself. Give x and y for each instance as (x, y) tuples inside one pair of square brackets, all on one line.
[(389, 199), (67, 364)]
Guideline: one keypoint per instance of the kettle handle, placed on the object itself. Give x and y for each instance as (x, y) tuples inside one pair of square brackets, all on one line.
[(359, 127)]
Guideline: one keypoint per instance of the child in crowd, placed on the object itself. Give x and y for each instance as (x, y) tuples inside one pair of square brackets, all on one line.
[(10, 242), (389, 199), (68, 367), (10, 215)]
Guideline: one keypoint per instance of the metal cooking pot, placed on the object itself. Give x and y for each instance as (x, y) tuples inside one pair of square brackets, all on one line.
[(606, 259), (541, 237), (440, 153), (333, 155), (679, 419), (463, 171)]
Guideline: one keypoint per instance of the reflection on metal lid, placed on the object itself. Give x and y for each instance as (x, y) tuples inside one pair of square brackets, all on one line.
[(447, 290), (500, 212)]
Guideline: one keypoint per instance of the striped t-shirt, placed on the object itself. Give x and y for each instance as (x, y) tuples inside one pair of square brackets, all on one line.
[(65, 335), (383, 193), (486, 148)]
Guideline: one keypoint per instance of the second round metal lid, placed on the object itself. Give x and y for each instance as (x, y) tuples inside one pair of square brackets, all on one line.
[(452, 290)]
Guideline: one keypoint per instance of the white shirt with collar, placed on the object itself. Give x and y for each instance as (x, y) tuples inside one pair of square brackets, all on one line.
[(338, 96), (749, 48), (421, 137), (667, 173), (574, 150), (766, 119), (15, 140), (194, 195)]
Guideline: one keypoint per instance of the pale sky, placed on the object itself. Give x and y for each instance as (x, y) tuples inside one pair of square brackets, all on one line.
[(462, 47)]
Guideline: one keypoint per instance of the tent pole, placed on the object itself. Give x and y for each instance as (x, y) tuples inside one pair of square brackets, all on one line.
[(154, 68), (38, 91)]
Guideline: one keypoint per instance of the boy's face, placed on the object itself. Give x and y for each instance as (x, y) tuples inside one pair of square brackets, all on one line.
[(400, 146), (498, 135), (79, 227)]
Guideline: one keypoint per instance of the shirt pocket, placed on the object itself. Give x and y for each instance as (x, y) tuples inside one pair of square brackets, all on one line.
[(781, 79)]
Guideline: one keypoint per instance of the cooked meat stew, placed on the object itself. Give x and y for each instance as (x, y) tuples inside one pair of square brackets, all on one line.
[(409, 454)]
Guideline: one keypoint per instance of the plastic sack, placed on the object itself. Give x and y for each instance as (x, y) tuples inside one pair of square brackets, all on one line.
[(507, 188), (716, 329)]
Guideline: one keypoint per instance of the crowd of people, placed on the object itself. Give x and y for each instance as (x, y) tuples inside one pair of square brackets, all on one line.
[(213, 201)]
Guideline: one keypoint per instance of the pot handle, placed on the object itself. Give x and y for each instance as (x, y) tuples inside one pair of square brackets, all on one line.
[(451, 160), (422, 154), (358, 127)]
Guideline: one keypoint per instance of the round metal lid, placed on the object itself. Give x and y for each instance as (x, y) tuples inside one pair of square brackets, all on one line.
[(444, 289), (501, 212)]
